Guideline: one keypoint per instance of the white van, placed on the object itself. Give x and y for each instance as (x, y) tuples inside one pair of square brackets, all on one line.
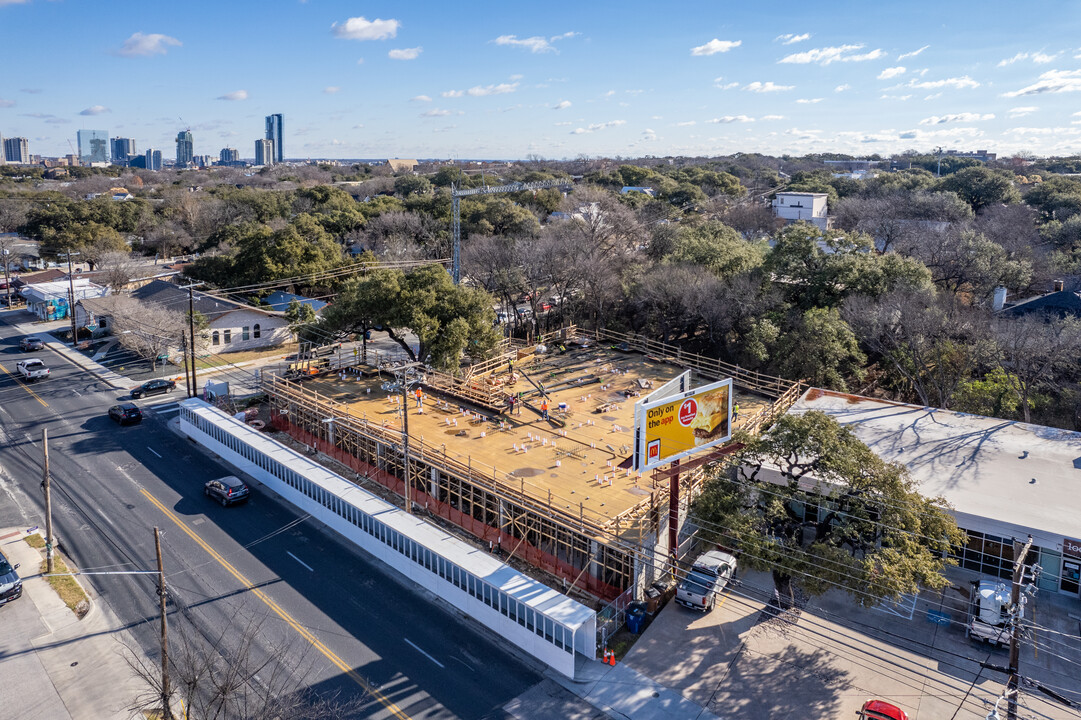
[(989, 613), (708, 577)]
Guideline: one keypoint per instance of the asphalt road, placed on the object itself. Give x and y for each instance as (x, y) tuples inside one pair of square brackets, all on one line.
[(326, 612)]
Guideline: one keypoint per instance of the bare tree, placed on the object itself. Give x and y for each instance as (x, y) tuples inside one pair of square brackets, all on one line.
[(1032, 350), (117, 269), (148, 329), (239, 672)]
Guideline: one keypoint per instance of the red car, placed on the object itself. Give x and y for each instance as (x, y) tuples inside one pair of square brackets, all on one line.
[(881, 710)]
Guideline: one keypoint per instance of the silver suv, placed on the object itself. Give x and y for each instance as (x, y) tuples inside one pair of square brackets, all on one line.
[(708, 577), (11, 586), (227, 490)]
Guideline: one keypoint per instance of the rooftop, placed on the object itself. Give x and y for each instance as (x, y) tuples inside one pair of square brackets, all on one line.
[(1014, 473)]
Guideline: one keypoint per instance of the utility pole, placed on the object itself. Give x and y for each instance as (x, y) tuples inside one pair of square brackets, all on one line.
[(194, 390), (1019, 554), (166, 690), (7, 276), (46, 485), (187, 373), (71, 301), (405, 443)]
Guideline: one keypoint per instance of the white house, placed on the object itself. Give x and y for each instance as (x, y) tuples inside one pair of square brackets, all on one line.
[(49, 300), (793, 206)]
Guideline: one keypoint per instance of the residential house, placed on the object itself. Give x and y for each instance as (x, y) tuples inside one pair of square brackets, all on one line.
[(794, 206), (1061, 303), (232, 326), (280, 301), (635, 188), (402, 165)]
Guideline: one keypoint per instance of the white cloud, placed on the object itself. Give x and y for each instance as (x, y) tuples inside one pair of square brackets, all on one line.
[(1022, 111), (933, 96), (535, 44), (894, 97), (914, 53), (765, 87), (1052, 81), (235, 95), (94, 110), (562, 105), (956, 117), (482, 91), (563, 124), (648, 134), (331, 89), (360, 61), (773, 117), (891, 72), (1044, 131), (420, 98), (565, 36), (842, 88), (828, 55), (405, 53), (140, 45), (721, 85), (6, 103), (958, 83), (598, 126), (715, 46), (809, 101), (1037, 57), (727, 119), (360, 28), (435, 112), (687, 123), (791, 39)]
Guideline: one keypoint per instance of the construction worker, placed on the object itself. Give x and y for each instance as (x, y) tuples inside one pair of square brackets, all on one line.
[(735, 412), (420, 399), (518, 404), (544, 409)]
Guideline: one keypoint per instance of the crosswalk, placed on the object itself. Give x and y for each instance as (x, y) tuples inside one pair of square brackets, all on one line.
[(165, 410)]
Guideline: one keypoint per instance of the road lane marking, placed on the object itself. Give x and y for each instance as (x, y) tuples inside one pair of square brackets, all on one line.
[(152, 450), (280, 612), (24, 387), (310, 568), (414, 646)]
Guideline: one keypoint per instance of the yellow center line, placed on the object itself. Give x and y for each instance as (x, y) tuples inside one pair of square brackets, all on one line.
[(301, 630), (23, 386)]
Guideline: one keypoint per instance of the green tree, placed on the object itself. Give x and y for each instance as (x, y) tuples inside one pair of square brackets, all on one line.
[(992, 395), (811, 504), (820, 347), (407, 185), (719, 248), (980, 186)]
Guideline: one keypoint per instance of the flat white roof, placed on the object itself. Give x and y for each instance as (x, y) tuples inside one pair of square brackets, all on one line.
[(983, 466)]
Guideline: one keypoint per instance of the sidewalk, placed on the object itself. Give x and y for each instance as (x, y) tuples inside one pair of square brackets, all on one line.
[(44, 331), (53, 664)]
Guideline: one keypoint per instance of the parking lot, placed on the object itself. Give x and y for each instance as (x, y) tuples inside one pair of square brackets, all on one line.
[(824, 661)]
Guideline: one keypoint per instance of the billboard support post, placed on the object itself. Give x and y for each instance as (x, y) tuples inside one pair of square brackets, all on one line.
[(673, 513)]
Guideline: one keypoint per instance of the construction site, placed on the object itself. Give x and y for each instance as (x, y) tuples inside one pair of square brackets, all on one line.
[(529, 452)]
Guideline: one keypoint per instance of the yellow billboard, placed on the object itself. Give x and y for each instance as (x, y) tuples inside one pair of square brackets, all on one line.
[(676, 426)]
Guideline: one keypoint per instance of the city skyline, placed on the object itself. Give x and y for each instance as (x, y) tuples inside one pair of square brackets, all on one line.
[(507, 82)]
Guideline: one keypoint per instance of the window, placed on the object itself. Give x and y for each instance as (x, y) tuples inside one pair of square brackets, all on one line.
[(214, 338), (255, 331), (228, 336), (244, 333)]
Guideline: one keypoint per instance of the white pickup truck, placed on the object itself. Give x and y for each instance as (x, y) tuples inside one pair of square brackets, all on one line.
[(989, 613), (32, 370)]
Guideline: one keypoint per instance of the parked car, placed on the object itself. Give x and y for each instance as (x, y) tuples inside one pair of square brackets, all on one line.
[(32, 370), (30, 343), (708, 577), (125, 413), (153, 387), (227, 490), (989, 614), (11, 587), (881, 710)]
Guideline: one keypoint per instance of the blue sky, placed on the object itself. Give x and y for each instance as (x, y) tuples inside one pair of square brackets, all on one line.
[(505, 80)]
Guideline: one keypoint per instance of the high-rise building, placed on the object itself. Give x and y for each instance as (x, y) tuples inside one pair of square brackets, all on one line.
[(153, 159), (229, 156), (264, 152), (122, 150), (93, 146), (275, 128), (3, 155), (17, 150), (185, 148)]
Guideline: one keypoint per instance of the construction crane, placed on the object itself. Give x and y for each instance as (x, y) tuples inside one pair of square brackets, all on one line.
[(456, 216)]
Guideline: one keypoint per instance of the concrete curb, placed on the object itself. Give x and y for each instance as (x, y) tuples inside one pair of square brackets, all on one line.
[(112, 379)]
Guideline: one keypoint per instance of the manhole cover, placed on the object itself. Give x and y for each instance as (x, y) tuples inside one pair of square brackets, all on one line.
[(527, 472), (609, 418)]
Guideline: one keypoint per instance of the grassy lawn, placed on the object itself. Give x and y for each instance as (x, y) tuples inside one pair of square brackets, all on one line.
[(213, 361), (65, 586)]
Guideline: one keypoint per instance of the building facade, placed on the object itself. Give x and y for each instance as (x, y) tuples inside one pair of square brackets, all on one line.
[(122, 149), (794, 206), (17, 150), (264, 152), (229, 156), (185, 148), (275, 128), (153, 159), (93, 146)]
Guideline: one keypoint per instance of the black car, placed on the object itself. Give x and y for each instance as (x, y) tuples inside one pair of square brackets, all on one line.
[(153, 387), (125, 413), (11, 587), (227, 490), (31, 342)]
